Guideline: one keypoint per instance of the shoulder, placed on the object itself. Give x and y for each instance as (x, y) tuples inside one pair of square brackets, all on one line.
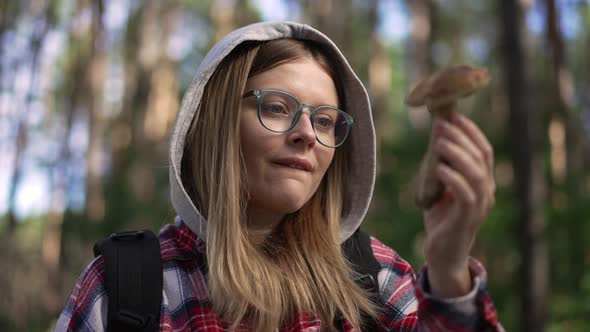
[(179, 242), (389, 258), (396, 284), (185, 289), (93, 276), (86, 308)]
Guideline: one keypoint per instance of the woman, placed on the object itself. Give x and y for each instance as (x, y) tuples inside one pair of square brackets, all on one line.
[(273, 166)]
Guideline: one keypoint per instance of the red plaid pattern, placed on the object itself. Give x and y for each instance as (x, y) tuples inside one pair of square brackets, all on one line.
[(186, 305)]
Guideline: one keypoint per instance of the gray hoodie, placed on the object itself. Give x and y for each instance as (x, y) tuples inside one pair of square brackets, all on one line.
[(361, 178)]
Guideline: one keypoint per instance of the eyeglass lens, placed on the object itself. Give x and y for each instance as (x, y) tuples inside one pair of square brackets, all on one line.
[(278, 113)]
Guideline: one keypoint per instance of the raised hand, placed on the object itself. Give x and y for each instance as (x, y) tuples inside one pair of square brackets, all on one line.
[(466, 171)]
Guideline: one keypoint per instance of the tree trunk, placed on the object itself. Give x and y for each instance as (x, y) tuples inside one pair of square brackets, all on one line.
[(562, 94), (149, 106), (420, 48), (528, 171), (335, 20), (569, 149), (95, 203), (379, 74), (51, 241), (222, 16), (40, 30), (420, 39)]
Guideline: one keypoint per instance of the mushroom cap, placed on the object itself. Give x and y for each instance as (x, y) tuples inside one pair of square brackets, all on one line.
[(448, 85), (419, 93)]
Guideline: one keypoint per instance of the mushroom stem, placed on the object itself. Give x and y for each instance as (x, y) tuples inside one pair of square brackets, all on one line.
[(430, 188), (440, 93)]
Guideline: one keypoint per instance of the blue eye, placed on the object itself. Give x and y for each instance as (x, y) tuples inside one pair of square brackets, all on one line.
[(274, 109), (323, 122)]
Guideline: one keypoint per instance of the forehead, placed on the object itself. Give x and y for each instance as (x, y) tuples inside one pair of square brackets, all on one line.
[(303, 78)]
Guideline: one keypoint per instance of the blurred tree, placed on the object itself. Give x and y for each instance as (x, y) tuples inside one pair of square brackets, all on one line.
[(93, 83), (379, 76), (8, 12), (52, 233), (41, 24), (528, 168), (562, 101), (222, 18), (130, 184), (420, 45), (336, 20), (227, 15), (569, 156)]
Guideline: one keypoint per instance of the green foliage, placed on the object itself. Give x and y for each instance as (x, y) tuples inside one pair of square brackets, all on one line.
[(393, 216)]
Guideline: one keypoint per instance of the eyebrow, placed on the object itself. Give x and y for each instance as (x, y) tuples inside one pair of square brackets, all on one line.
[(251, 93)]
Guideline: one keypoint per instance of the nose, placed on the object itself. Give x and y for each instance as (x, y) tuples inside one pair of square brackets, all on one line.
[(303, 132)]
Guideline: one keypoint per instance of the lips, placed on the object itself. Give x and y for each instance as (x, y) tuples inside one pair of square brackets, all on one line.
[(295, 163)]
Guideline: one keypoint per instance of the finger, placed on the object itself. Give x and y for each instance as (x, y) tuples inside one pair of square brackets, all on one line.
[(477, 136), (455, 134), (479, 179), (460, 161), (457, 184)]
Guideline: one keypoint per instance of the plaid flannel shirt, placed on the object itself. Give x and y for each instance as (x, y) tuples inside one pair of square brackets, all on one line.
[(186, 305)]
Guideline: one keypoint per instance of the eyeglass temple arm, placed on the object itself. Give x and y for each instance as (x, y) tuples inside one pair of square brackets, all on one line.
[(250, 93)]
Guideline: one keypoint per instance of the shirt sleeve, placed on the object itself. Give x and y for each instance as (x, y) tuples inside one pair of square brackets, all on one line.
[(86, 309), (408, 306)]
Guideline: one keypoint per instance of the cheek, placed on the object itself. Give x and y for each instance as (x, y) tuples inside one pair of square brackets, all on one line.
[(249, 137), (255, 144), (325, 158)]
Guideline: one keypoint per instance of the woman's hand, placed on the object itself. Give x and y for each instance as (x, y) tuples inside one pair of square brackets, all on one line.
[(466, 171)]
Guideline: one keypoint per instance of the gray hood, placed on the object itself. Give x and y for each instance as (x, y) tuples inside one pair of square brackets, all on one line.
[(362, 169)]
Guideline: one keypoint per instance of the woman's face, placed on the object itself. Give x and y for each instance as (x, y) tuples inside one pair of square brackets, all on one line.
[(276, 182)]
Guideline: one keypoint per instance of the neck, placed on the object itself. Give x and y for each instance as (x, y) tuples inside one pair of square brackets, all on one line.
[(262, 222)]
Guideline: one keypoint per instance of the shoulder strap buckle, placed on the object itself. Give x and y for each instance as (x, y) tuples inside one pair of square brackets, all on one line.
[(133, 320)]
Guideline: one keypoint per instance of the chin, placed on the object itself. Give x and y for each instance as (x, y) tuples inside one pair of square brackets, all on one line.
[(285, 203), (284, 198), (289, 206)]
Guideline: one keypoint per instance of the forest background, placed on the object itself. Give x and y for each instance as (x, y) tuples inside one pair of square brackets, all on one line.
[(89, 91)]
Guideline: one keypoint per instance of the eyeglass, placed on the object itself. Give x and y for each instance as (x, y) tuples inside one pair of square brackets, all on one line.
[(279, 112)]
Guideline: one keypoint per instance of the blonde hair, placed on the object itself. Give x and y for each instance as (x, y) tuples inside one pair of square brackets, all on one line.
[(299, 268)]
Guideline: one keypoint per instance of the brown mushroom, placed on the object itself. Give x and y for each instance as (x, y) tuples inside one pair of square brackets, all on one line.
[(440, 93)]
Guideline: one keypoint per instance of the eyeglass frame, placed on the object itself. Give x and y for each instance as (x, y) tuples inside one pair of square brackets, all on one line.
[(301, 106)]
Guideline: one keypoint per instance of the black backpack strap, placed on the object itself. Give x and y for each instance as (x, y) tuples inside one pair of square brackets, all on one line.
[(133, 280), (357, 249)]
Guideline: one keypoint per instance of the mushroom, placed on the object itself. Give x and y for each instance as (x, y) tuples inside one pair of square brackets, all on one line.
[(440, 93)]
